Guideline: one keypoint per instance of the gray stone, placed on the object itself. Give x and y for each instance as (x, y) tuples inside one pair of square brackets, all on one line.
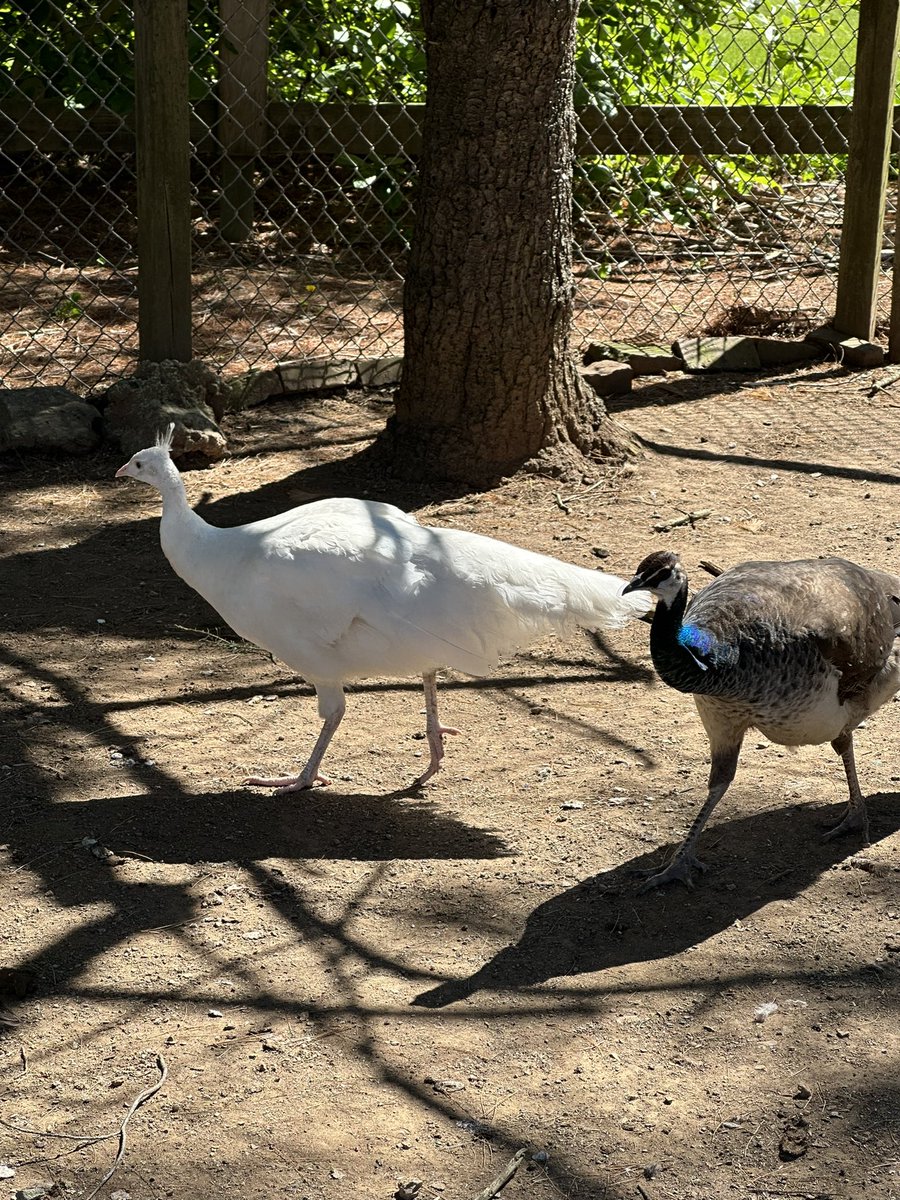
[(256, 387), (48, 419), (654, 361), (188, 395), (643, 360), (608, 378), (615, 351), (286, 378), (718, 353), (378, 372), (851, 351), (316, 374), (777, 352)]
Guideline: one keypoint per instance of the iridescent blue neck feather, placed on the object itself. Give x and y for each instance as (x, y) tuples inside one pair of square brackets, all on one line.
[(685, 655)]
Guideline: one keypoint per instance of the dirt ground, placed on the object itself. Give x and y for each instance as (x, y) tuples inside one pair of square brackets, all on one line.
[(362, 988)]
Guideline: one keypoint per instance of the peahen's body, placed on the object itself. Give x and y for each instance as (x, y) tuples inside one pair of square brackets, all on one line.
[(802, 651), (344, 589)]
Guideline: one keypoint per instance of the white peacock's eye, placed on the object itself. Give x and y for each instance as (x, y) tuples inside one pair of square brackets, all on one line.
[(138, 464)]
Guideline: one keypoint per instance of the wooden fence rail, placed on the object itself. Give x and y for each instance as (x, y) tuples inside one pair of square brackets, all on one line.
[(393, 129)]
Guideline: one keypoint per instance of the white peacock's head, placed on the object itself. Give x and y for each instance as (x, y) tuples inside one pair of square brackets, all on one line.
[(152, 466)]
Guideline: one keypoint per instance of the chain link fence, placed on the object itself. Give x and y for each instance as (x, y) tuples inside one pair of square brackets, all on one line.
[(708, 189)]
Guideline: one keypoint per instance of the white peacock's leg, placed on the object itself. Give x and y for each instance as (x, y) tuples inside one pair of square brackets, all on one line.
[(331, 708), (433, 728)]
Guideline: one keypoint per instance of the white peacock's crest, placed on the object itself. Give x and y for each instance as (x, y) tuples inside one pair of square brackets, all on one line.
[(164, 440)]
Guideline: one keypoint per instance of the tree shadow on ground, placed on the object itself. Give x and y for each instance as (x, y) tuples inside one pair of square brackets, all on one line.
[(603, 922)]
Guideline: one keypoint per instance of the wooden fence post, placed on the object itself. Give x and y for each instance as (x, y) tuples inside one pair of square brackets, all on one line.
[(243, 93), (871, 130), (894, 328), (162, 124)]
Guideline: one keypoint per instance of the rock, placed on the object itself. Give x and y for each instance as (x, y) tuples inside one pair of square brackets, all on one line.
[(851, 351), (47, 419), (718, 353), (608, 378), (654, 361), (643, 360), (256, 387), (304, 375), (776, 352), (188, 395), (311, 375), (378, 372), (316, 375), (794, 1141), (408, 1191)]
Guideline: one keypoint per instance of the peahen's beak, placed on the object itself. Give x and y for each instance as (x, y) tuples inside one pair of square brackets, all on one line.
[(633, 585)]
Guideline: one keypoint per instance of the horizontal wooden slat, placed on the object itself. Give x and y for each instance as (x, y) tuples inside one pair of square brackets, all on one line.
[(755, 130), (389, 130)]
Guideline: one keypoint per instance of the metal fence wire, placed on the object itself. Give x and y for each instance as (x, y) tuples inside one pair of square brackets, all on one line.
[(708, 188)]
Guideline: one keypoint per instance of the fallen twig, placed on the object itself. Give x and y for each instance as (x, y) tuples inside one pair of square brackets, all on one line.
[(499, 1183), (886, 380), (87, 1138), (687, 519), (135, 1105), (563, 501), (710, 568)]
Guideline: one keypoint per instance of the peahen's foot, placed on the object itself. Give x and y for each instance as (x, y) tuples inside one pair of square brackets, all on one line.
[(854, 820), (678, 871), (289, 783)]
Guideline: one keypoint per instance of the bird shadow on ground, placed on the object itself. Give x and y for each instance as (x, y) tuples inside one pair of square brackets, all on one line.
[(604, 922), (244, 826)]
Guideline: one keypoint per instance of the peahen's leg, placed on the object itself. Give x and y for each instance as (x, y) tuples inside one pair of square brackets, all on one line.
[(433, 728), (855, 819), (721, 773), (331, 709)]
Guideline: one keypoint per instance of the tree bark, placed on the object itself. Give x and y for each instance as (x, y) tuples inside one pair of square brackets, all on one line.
[(489, 381)]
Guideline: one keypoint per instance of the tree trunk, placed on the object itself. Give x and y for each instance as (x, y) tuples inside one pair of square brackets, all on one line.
[(489, 381)]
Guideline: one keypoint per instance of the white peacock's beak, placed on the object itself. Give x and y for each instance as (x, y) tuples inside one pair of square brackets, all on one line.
[(122, 471)]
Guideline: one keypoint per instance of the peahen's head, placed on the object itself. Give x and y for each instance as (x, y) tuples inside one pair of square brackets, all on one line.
[(662, 574), (153, 465)]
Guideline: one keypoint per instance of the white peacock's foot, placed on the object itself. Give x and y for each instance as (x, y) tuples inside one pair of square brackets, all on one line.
[(679, 870), (437, 753), (289, 783)]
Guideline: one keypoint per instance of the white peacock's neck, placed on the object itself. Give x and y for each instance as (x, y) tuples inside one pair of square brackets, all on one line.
[(181, 529)]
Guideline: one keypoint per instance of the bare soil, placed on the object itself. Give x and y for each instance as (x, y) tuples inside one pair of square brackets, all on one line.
[(364, 986)]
